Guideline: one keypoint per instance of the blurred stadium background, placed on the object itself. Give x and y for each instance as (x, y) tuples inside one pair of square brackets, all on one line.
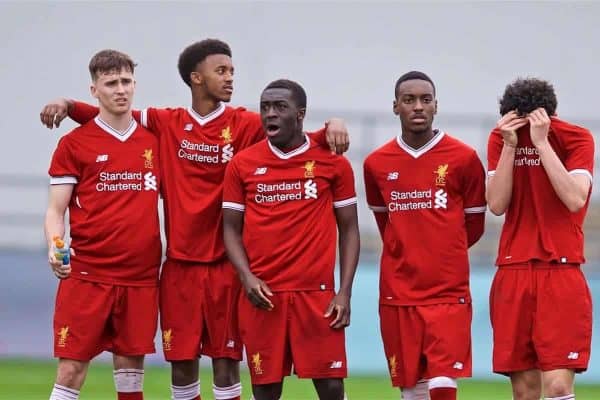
[(347, 55)]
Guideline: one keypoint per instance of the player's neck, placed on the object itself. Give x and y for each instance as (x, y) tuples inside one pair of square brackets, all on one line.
[(417, 140), (204, 105), (119, 122), (298, 140)]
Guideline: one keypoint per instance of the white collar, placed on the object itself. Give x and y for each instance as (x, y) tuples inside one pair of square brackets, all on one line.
[(416, 153), (122, 136), (203, 120), (297, 151)]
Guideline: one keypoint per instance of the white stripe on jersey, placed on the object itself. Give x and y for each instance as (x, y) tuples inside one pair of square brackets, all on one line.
[(234, 206)]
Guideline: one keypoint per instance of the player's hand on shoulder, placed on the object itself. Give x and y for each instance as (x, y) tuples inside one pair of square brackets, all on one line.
[(337, 135), (539, 126), (257, 291), (54, 112), (340, 308), (508, 126)]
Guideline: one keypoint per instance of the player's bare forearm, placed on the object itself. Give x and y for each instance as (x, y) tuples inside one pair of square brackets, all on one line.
[(349, 246), (54, 225), (59, 197), (572, 190), (499, 189)]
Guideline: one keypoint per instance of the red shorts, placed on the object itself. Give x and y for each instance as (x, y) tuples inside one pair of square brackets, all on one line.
[(541, 317), (198, 310), (294, 332), (428, 341), (91, 317)]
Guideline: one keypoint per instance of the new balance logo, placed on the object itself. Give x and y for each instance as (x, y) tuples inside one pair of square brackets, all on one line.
[(392, 176), (458, 365), (102, 158), (188, 127), (150, 181), (310, 189), (227, 154), (230, 344), (441, 199), (336, 365), (573, 356), (260, 171)]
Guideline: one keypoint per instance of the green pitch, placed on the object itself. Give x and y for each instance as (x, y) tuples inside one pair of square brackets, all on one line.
[(29, 380)]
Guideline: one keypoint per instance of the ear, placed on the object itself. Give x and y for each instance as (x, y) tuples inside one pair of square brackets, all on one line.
[(301, 114), (196, 78), (395, 107), (435, 109), (93, 90)]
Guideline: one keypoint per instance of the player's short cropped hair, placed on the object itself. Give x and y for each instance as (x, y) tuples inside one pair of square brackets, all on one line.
[(107, 61), (298, 93), (409, 76), (528, 94), (197, 52)]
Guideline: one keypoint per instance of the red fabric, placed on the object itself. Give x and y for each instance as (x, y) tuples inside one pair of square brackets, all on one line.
[(198, 310), (422, 342), (130, 396), (194, 157), (113, 214), (442, 394), (537, 225), (425, 195), (92, 317), (290, 230), (542, 318), (294, 333)]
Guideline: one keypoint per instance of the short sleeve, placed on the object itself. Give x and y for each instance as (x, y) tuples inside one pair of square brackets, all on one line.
[(375, 200), (344, 191), (234, 196), (156, 120), (473, 185), (495, 144), (64, 168), (580, 153)]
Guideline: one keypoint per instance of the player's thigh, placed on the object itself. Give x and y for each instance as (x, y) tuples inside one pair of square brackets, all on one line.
[(181, 309), (564, 300), (82, 310), (512, 308), (265, 337), (135, 320), (221, 338), (318, 350), (402, 333), (447, 339)]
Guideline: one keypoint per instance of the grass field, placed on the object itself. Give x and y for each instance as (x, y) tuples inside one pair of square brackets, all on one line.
[(29, 380)]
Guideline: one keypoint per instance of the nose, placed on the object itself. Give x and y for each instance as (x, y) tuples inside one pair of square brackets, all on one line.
[(270, 112), (418, 105)]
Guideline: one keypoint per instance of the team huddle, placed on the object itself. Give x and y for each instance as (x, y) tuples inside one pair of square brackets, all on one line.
[(255, 211)]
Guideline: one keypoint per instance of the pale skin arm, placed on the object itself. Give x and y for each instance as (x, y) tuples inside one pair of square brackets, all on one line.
[(256, 290), (572, 189), (349, 239), (59, 197), (499, 188)]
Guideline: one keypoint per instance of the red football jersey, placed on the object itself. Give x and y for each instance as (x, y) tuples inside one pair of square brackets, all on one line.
[(537, 225), (426, 193), (194, 152), (288, 199), (113, 212)]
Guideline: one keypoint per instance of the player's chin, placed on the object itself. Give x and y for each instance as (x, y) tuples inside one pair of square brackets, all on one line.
[(225, 98)]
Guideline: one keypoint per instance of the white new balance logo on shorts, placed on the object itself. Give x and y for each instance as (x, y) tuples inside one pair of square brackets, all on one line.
[(458, 365), (336, 365), (573, 356)]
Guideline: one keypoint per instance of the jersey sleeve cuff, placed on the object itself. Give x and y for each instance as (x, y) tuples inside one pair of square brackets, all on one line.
[(234, 206), (475, 210), (63, 180), (582, 172), (344, 203)]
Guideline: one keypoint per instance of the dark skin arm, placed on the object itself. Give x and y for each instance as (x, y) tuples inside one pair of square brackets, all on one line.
[(349, 243), (257, 291)]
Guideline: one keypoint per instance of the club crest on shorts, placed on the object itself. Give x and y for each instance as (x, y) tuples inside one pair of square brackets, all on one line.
[(63, 334), (257, 364), (167, 338)]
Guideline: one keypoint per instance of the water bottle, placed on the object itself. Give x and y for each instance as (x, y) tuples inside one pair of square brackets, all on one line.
[(61, 250)]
